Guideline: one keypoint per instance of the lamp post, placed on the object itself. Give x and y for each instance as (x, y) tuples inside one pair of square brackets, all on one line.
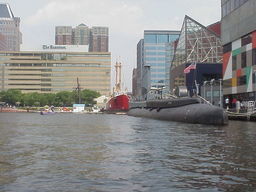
[(254, 72), (221, 103), (205, 82), (211, 82)]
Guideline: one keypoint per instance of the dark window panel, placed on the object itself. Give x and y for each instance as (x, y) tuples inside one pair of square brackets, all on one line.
[(254, 56), (246, 39), (241, 80), (227, 48), (243, 62), (234, 63)]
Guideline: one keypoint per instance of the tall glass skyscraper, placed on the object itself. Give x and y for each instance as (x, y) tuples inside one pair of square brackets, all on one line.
[(154, 55), (158, 55)]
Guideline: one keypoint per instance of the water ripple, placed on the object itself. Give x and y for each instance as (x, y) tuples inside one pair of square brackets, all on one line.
[(68, 152)]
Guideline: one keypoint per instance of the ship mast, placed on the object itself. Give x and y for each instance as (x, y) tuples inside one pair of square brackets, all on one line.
[(78, 88), (118, 67)]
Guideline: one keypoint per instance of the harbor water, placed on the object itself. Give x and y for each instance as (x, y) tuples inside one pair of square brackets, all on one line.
[(116, 153)]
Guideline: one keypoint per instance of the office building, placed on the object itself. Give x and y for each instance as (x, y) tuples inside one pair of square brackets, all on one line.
[(153, 59), (49, 71), (196, 44), (10, 35), (99, 39), (3, 44), (157, 55), (139, 70), (63, 35), (239, 49), (134, 82), (81, 35), (96, 37)]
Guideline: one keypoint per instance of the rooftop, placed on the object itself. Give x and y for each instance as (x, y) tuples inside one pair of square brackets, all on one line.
[(5, 11)]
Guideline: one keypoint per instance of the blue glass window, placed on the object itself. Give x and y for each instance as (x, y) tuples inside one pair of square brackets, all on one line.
[(154, 48), (157, 81), (158, 75), (150, 39), (155, 59), (156, 53), (162, 70), (162, 38), (173, 38), (150, 48), (158, 64)]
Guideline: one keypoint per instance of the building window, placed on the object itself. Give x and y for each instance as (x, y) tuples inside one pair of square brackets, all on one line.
[(243, 62), (25, 65), (227, 48), (227, 83), (150, 38), (236, 4), (234, 63), (253, 77), (162, 38), (254, 56), (246, 39), (241, 80), (228, 7), (232, 5), (242, 2), (45, 89)]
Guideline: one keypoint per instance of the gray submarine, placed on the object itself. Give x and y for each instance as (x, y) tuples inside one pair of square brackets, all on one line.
[(181, 109)]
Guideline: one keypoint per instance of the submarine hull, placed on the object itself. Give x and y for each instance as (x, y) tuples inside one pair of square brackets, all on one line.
[(198, 113)]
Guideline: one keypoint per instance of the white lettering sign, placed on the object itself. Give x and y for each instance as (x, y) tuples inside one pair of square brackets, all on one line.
[(53, 47)]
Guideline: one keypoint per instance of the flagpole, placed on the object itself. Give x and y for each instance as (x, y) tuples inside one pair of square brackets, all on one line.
[(195, 74), (195, 80), (187, 70)]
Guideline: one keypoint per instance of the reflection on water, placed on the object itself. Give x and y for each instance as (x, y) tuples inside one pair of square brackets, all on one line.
[(69, 152)]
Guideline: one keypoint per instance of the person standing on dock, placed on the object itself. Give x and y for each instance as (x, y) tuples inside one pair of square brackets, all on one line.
[(238, 106), (234, 100), (227, 103)]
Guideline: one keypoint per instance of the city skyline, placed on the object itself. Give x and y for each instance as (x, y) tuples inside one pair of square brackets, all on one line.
[(96, 37), (126, 20)]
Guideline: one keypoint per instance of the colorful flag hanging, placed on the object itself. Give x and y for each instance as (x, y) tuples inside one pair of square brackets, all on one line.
[(191, 66)]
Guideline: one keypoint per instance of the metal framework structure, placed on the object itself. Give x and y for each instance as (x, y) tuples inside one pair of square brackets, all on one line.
[(197, 44)]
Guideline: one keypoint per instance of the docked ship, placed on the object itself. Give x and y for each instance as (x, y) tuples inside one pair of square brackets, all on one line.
[(181, 109), (119, 102)]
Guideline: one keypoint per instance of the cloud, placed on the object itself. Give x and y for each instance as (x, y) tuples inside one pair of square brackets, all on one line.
[(126, 19), (118, 15)]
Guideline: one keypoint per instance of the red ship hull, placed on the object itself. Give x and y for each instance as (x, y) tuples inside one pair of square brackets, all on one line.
[(118, 103)]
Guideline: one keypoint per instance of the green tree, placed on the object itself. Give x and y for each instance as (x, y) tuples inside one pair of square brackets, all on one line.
[(1, 95), (50, 97), (11, 96), (31, 99), (88, 96), (63, 98)]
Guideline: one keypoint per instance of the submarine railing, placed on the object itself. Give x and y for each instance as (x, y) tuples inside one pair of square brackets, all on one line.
[(207, 102)]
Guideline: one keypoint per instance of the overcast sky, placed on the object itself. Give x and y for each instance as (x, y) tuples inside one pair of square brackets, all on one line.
[(126, 19)]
